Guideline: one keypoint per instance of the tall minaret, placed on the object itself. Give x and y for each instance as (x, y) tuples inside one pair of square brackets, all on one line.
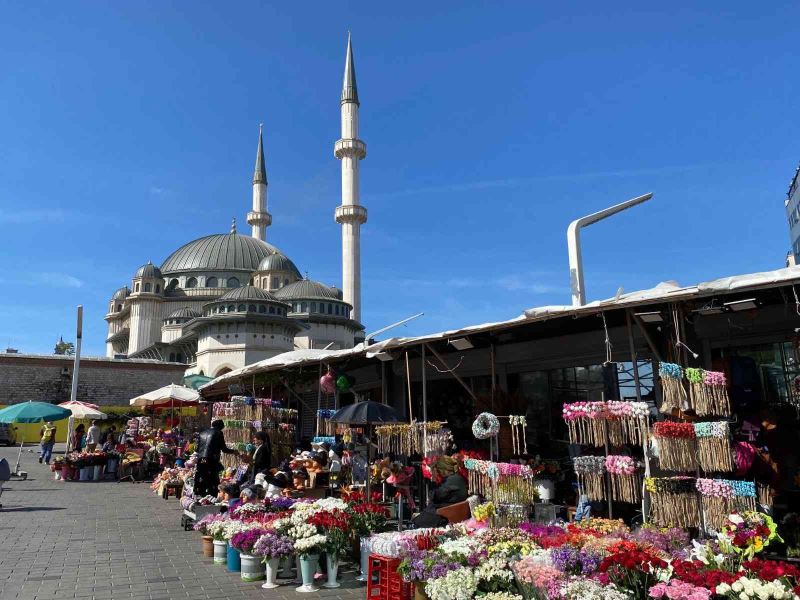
[(350, 150), (259, 218)]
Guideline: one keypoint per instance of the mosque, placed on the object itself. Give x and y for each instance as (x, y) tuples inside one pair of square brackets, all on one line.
[(227, 300)]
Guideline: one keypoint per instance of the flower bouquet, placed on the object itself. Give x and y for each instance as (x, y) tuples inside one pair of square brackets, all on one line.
[(335, 525), (204, 525), (310, 545), (368, 518), (746, 588), (677, 445), (633, 571), (244, 541), (536, 579), (273, 545), (679, 590), (750, 532)]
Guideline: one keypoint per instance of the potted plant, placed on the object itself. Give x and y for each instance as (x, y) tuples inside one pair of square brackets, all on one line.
[(368, 518), (231, 528), (251, 563), (272, 547), (203, 526), (216, 529), (307, 544), (335, 525)]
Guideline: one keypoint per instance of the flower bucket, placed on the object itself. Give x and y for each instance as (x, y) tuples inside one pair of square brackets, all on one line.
[(85, 474), (271, 573), (66, 472), (332, 562), (111, 466), (364, 575), (419, 591), (308, 566), (97, 472), (234, 559), (208, 546), (220, 552), (57, 475), (286, 568), (252, 567)]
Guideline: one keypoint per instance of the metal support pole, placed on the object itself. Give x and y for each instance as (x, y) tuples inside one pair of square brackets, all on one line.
[(77, 363), (408, 386), (424, 405), (635, 362)]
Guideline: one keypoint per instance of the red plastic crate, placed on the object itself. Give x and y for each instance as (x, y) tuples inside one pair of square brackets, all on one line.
[(384, 582)]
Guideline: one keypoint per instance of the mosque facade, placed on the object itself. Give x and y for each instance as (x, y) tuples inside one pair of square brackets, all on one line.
[(227, 300)]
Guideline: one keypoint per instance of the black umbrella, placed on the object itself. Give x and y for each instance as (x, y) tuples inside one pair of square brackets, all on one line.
[(366, 413)]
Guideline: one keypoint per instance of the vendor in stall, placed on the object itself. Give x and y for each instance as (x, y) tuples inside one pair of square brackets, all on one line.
[(210, 445), (451, 490), (261, 458)]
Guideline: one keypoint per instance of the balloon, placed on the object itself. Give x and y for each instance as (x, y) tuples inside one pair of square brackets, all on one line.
[(328, 383), (343, 383)]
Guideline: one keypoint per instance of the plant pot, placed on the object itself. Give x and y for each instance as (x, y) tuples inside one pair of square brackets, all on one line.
[(332, 562), (308, 566), (220, 552), (419, 591), (84, 474), (208, 546), (57, 475), (286, 568), (271, 573), (66, 472), (252, 567), (97, 472), (234, 559), (111, 466), (364, 575)]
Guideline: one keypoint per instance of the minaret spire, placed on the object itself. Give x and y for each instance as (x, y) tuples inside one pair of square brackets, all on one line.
[(259, 218), (351, 215)]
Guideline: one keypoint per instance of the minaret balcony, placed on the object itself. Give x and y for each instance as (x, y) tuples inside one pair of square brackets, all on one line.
[(350, 147), (351, 213), (259, 218)]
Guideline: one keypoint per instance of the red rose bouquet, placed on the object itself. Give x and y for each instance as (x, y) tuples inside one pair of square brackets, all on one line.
[(632, 570)]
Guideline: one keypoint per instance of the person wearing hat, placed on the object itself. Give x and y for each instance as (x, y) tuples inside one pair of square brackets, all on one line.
[(48, 439), (210, 446), (277, 483)]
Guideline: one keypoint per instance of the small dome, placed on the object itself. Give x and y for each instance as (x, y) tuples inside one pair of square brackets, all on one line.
[(278, 262), (184, 313), (121, 293), (305, 289), (219, 252), (248, 292), (148, 270)]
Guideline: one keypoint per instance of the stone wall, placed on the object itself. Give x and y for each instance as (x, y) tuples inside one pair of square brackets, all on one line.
[(103, 381)]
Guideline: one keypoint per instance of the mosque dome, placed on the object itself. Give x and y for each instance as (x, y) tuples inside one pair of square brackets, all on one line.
[(183, 313), (305, 289), (248, 292), (121, 293), (219, 252), (148, 270), (278, 262)]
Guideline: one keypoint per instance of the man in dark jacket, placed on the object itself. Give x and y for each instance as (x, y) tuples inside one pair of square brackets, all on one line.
[(210, 445), (261, 459)]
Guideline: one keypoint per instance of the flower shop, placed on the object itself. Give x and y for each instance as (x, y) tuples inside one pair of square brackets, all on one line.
[(636, 447)]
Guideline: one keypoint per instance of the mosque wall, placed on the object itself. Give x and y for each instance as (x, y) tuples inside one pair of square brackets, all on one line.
[(102, 381)]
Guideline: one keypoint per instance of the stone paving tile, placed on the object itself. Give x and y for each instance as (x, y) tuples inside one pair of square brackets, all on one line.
[(112, 541)]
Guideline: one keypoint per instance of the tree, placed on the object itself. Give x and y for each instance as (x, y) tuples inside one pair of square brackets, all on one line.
[(64, 348)]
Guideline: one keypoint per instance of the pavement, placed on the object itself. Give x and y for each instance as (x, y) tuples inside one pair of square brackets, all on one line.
[(111, 541)]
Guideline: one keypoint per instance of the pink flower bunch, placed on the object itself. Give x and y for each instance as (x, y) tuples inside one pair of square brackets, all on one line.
[(679, 590), (718, 488), (620, 465), (542, 577), (714, 378), (583, 410)]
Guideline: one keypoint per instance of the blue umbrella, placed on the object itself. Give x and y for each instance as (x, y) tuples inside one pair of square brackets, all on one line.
[(32, 412)]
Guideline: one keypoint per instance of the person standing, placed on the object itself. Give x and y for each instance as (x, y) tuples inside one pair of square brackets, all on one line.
[(210, 445), (92, 437), (76, 443), (48, 440), (261, 460)]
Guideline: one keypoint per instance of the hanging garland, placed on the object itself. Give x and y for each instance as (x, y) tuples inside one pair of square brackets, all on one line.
[(673, 501), (721, 497), (501, 483), (626, 483), (324, 425), (519, 439), (714, 451), (589, 471), (718, 401), (415, 437), (673, 393), (614, 421), (485, 426), (677, 445)]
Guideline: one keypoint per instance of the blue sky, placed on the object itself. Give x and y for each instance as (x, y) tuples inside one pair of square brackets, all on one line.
[(129, 129)]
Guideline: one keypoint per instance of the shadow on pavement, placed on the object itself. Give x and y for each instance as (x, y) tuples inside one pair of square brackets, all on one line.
[(32, 509)]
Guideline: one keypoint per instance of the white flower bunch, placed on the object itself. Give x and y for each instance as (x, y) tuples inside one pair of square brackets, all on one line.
[(310, 544), (501, 596), (301, 511), (460, 584), (460, 547), (281, 526), (587, 589), (540, 556), (231, 528), (216, 528), (745, 588), (495, 569), (300, 531)]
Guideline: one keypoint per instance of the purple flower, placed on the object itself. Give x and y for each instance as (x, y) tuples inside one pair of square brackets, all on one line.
[(572, 561), (271, 545), (278, 504), (245, 540)]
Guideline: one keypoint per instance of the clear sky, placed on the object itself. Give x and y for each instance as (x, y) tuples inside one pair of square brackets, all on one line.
[(128, 129)]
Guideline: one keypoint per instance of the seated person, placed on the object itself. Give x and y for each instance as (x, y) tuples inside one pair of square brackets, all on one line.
[(276, 483), (334, 457), (452, 489), (229, 494), (248, 496), (298, 487)]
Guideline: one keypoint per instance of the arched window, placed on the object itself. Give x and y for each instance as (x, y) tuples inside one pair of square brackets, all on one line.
[(313, 307), (231, 308), (158, 288), (303, 306), (272, 310), (262, 308), (191, 282), (286, 281), (119, 307), (274, 283), (220, 309), (173, 283), (136, 288), (212, 282), (251, 308), (171, 357), (242, 308), (233, 282), (337, 309), (148, 287)]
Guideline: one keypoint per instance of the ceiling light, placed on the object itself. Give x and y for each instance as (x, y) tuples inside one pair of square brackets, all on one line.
[(710, 309), (461, 344), (737, 305), (650, 317)]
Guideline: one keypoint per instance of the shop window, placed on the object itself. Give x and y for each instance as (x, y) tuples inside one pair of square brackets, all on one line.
[(212, 282), (191, 282)]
